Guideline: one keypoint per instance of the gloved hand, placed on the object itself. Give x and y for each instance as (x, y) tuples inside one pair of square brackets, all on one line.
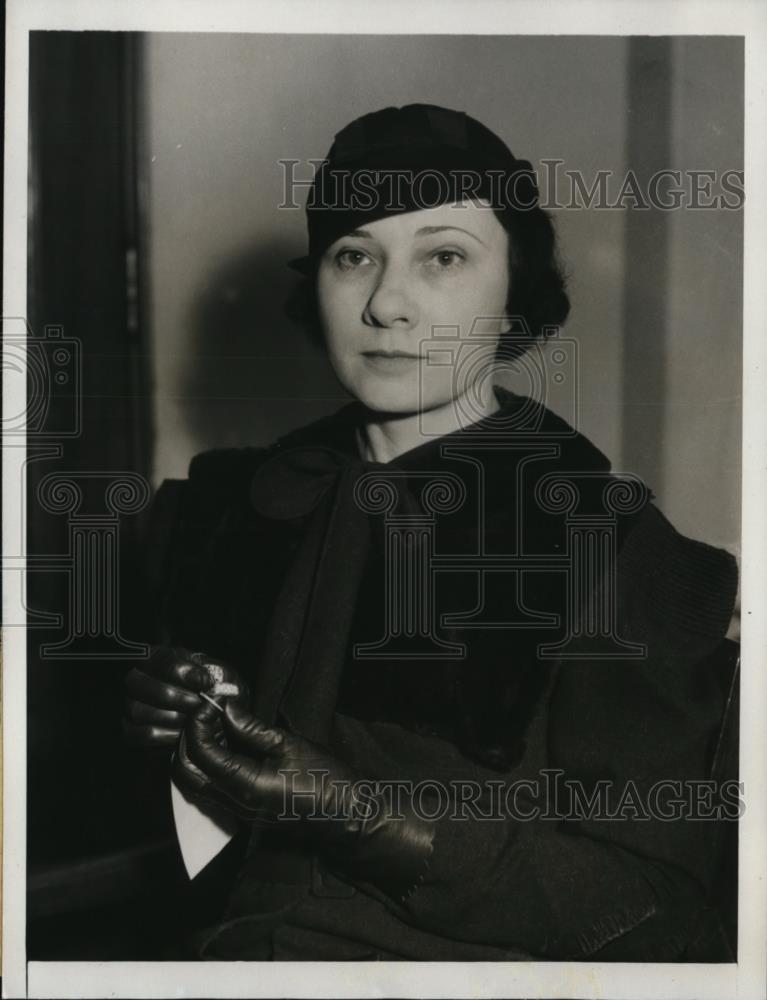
[(164, 690), (271, 776)]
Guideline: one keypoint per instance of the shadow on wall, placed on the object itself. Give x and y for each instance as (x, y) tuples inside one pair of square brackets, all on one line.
[(250, 374)]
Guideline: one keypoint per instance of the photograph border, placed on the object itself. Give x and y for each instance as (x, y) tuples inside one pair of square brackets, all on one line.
[(745, 979)]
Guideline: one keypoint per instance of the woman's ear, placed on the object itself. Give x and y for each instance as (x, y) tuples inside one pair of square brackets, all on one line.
[(506, 323)]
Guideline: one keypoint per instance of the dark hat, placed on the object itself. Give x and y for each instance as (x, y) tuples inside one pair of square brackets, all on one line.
[(404, 159)]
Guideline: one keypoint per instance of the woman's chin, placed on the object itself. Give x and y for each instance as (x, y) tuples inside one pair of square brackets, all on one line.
[(384, 395)]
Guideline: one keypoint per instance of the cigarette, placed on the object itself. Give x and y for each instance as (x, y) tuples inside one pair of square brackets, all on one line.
[(215, 704)]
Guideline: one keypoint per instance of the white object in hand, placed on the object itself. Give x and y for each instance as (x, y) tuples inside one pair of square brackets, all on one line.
[(201, 834)]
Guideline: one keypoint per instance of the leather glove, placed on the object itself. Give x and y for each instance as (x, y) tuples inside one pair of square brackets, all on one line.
[(268, 775), (165, 689)]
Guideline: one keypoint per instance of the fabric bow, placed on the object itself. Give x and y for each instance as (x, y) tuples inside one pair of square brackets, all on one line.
[(293, 481), (305, 649)]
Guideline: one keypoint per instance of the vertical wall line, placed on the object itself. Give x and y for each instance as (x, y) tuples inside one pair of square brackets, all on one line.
[(647, 246)]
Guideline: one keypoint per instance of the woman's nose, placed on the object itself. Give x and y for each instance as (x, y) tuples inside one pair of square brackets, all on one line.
[(391, 302)]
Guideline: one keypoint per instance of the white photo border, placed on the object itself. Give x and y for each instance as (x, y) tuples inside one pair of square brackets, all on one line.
[(747, 978)]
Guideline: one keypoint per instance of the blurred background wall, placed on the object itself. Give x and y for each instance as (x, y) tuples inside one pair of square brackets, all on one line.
[(656, 295)]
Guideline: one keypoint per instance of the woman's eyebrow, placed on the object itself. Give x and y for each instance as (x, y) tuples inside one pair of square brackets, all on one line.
[(429, 230), (364, 234)]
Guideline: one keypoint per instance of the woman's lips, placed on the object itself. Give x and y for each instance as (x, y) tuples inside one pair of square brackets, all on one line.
[(382, 361)]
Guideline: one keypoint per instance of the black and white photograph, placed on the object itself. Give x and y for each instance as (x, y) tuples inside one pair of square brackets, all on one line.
[(383, 477)]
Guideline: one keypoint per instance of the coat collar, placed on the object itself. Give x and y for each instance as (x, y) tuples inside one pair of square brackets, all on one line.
[(520, 423)]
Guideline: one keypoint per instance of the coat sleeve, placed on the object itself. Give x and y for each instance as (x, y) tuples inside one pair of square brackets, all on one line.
[(609, 850), (197, 543)]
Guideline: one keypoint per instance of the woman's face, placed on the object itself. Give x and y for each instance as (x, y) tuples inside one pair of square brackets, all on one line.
[(429, 287)]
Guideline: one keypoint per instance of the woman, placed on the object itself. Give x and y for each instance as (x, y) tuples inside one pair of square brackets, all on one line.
[(468, 674)]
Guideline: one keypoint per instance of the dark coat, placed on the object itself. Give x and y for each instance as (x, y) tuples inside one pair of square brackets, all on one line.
[(558, 885)]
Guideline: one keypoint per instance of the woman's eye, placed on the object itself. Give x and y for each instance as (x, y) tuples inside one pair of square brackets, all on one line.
[(447, 259), (349, 259)]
